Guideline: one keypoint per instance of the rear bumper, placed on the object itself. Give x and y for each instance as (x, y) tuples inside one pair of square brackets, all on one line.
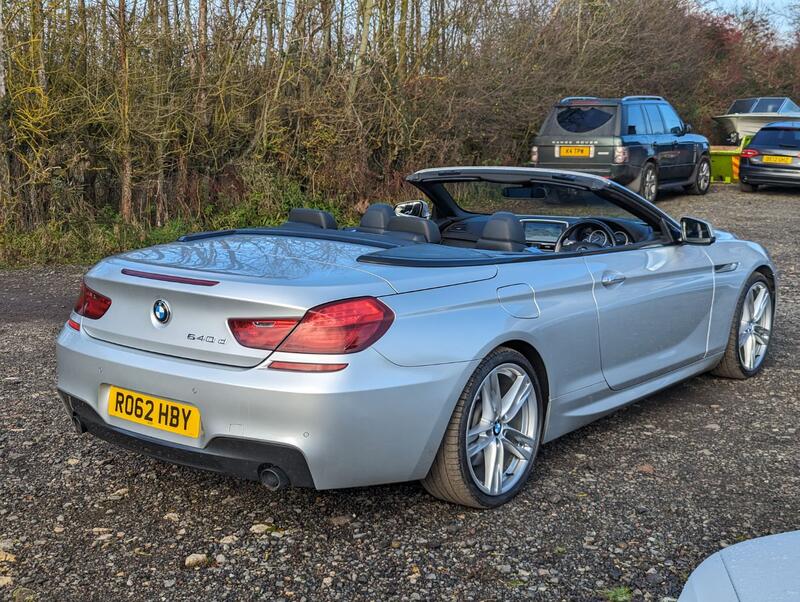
[(373, 422), (229, 455), (621, 173), (751, 174)]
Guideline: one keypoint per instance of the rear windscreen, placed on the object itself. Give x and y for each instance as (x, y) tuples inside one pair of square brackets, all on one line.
[(777, 138), (582, 120)]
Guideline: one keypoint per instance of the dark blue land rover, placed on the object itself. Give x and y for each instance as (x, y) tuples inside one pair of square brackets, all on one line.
[(638, 141)]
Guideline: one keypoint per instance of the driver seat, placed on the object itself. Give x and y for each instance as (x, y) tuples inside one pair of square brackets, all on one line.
[(503, 232)]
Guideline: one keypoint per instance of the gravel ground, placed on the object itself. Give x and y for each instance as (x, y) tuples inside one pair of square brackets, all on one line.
[(632, 502)]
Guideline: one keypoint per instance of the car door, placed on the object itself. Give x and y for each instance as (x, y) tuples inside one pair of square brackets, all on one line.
[(666, 154), (682, 144), (636, 134), (654, 308)]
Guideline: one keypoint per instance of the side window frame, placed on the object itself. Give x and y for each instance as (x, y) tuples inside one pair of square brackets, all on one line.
[(653, 129), (664, 110), (636, 106)]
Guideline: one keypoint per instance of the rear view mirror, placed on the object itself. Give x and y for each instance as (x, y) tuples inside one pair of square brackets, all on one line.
[(696, 231), (525, 192), (413, 208)]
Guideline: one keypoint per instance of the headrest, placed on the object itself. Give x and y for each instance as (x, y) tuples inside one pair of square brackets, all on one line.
[(417, 229), (376, 218), (300, 216), (502, 232)]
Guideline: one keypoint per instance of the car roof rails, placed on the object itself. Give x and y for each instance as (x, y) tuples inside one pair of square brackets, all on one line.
[(570, 98), (642, 97)]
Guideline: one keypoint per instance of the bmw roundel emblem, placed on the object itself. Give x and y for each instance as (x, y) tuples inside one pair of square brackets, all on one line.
[(161, 311)]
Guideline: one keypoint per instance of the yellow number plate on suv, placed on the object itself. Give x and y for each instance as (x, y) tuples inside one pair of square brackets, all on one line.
[(777, 159), (152, 411), (575, 151)]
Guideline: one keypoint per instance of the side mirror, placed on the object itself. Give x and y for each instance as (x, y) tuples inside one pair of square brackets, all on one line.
[(413, 208), (687, 128), (696, 231)]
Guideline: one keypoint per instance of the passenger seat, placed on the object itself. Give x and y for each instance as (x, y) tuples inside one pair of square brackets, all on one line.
[(376, 219), (300, 217), (415, 229), (503, 232)]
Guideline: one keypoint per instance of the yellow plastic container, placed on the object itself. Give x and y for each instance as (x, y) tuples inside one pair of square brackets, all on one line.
[(725, 162)]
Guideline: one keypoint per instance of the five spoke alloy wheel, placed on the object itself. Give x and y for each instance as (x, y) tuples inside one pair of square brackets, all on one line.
[(502, 429), (755, 326), (751, 331), (494, 433)]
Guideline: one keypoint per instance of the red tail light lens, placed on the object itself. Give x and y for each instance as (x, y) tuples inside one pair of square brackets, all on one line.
[(91, 304), (340, 327), (304, 367), (260, 333), (749, 152)]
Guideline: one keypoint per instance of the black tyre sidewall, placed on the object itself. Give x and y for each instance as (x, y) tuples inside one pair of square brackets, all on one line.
[(503, 356), (756, 277)]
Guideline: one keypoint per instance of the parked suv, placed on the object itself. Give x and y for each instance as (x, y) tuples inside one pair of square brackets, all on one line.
[(638, 141)]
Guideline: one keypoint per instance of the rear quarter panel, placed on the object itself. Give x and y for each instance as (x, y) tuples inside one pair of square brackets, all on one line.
[(465, 322)]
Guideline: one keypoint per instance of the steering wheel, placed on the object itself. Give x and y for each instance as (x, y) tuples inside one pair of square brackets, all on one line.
[(565, 242)]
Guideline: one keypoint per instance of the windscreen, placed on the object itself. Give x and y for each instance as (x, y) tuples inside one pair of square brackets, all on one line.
[(743, 105), (532, 199), (768, 105), (777, 138), (598, 120)]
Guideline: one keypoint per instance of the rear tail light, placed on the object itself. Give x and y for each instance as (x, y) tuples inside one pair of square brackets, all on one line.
[(333, 328), (73, 324), (621, 154), (534, 155), (340, 327), (91, 304), (260, 333), (749, 152)]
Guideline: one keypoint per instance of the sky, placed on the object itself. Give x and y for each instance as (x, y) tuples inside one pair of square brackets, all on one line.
[(778, 10)]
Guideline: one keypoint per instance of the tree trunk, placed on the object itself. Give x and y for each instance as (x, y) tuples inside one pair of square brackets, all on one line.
[(126, 169)]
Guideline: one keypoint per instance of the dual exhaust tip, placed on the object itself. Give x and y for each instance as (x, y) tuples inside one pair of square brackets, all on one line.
[(272, 477)]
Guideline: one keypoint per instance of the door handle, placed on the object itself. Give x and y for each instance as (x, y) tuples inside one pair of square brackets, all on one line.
[(612, 278)]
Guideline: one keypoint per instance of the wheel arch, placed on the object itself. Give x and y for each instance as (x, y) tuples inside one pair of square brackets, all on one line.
[(769, 274), (535, 358)]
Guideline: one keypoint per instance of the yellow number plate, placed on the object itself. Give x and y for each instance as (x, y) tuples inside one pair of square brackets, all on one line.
[(152, 411), (777, 159), (575, 151)]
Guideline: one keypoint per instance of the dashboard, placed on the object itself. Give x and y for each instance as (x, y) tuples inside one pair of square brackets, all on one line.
[(543, 232)]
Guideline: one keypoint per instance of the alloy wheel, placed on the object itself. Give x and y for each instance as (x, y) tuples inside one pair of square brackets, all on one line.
[(502, 430), (650, 188), (755, 326), (703, 176)]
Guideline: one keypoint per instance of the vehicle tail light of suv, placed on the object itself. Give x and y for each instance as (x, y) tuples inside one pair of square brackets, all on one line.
[(534, 155), (621, 154), (91, 304), (749, 153), (340, 327)]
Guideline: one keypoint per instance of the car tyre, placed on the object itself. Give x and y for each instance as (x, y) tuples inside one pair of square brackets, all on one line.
[(648, 186), (745, 187), (702, 178), (751, 331), (456, 475)]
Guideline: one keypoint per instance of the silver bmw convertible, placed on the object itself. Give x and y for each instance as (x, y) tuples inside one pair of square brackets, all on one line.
[(444, 339)]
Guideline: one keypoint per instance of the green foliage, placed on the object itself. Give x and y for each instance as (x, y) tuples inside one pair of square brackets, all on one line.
[(84, 239), (619, 594)]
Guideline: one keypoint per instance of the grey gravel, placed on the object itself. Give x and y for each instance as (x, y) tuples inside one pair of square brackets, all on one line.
[(634, 500)]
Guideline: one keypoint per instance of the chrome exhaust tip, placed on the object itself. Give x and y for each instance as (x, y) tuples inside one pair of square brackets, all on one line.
[(273, 478)]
